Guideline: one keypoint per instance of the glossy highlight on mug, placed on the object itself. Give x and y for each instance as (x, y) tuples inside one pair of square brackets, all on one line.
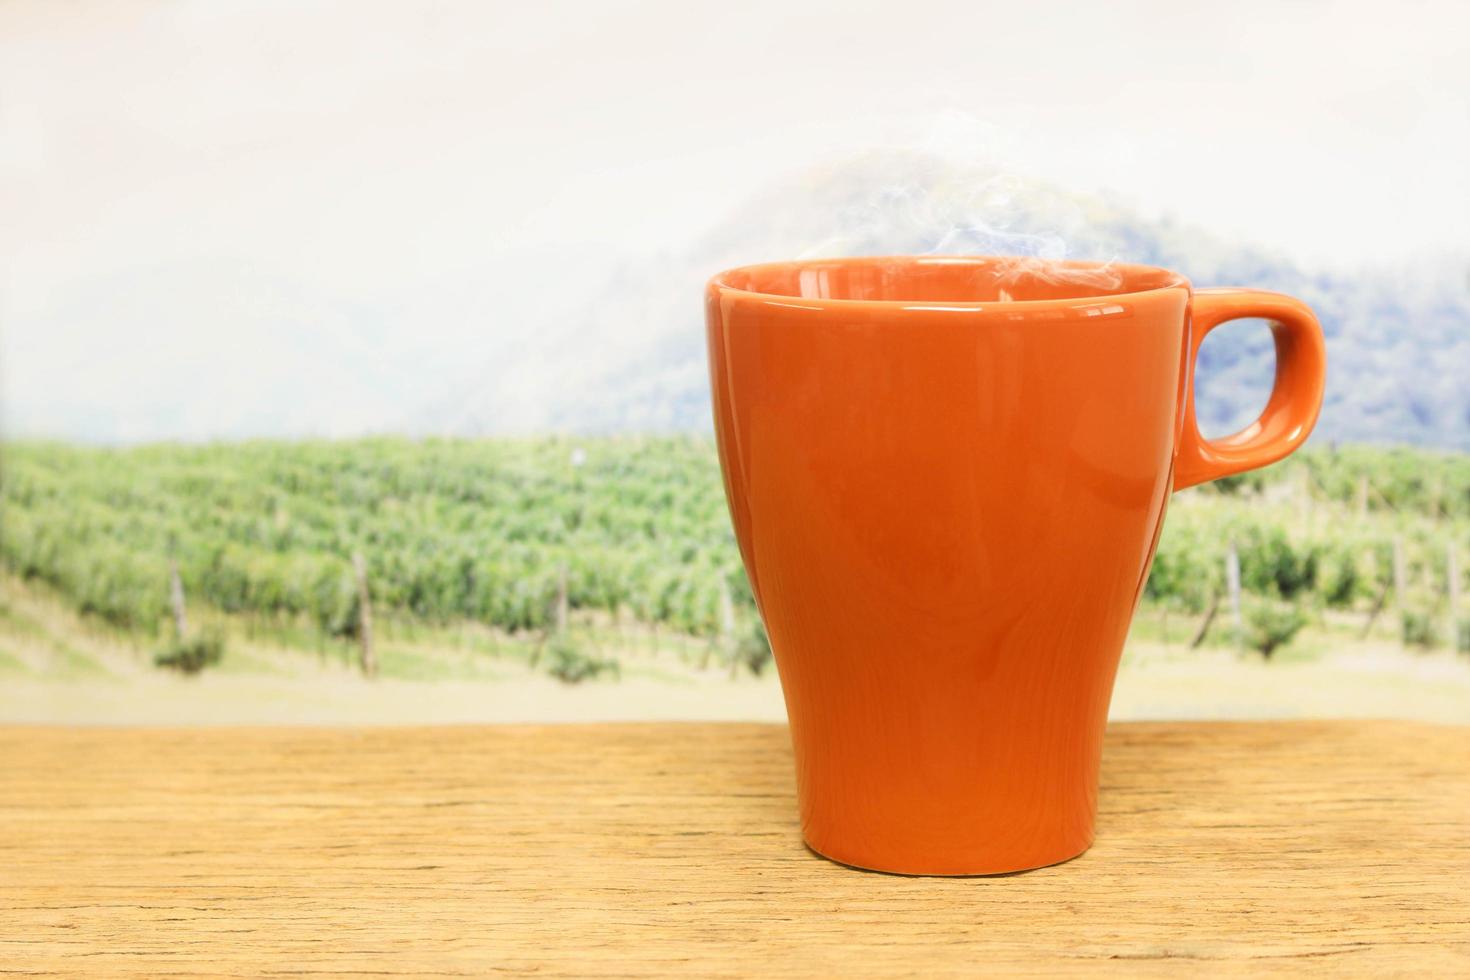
[(947, 477)]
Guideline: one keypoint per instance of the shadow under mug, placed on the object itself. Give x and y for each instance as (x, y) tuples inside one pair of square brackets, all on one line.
[(947, 477)]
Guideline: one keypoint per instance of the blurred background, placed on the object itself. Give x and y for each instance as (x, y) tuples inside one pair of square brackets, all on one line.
[(352, 358)]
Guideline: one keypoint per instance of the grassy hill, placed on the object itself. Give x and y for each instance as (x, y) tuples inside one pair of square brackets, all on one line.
[(570, 556)]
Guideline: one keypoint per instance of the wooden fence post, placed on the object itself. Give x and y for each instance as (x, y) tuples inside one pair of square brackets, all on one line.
[(1206, 623), (369, 661), (176, 597), (1400, 573), (727, 626), (1232, 582), (625, 636), (1373, 614), (1452, 592), (561, 599)]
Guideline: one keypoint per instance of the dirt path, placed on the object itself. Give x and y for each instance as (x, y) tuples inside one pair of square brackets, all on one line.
[(56, 669), (1365, 684)]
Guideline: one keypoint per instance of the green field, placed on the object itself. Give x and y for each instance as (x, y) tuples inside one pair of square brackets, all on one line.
[(568, 554)]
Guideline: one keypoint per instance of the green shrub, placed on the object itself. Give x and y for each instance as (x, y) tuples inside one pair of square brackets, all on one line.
[(1340, 576), (1418, 629), (192, 655), (753, 652), (1462, 635), (1269, 562), (1272, 623), (571, 666), (1187, 570), (1239, 484)]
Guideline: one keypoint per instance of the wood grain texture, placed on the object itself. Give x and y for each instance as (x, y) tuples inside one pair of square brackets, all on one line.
[(634, 849)]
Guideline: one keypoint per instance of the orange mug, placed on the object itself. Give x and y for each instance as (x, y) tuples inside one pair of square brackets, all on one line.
[(947, 477)]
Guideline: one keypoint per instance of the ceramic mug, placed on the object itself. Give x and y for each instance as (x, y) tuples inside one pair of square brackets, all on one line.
[(947, 477)]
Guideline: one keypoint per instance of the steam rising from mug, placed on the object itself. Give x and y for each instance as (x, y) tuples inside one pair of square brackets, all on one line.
[(907, 202)]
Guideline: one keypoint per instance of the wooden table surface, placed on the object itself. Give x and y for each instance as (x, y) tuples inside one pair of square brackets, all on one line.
[(635, 849)]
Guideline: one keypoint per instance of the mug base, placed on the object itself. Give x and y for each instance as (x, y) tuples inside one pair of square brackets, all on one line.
[(945, 870)]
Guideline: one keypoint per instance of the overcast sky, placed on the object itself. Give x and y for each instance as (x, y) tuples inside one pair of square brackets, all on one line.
[(379, 154)]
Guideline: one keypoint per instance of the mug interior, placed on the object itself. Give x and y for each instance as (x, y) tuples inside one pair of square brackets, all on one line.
[(947, 279)]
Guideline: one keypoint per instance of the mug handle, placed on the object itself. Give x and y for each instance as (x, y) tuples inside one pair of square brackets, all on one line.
[(1296, 397)]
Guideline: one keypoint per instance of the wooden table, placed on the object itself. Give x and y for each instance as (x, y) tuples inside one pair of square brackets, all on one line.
[(632, 849)]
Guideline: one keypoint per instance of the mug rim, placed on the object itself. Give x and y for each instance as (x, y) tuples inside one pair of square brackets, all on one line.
[(720, 281)]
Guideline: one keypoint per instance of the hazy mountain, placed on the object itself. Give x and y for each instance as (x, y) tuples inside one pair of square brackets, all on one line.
[(215, 346), (1398, 340)]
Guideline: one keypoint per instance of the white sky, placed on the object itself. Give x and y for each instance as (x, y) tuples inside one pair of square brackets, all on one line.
[(391, 152)]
